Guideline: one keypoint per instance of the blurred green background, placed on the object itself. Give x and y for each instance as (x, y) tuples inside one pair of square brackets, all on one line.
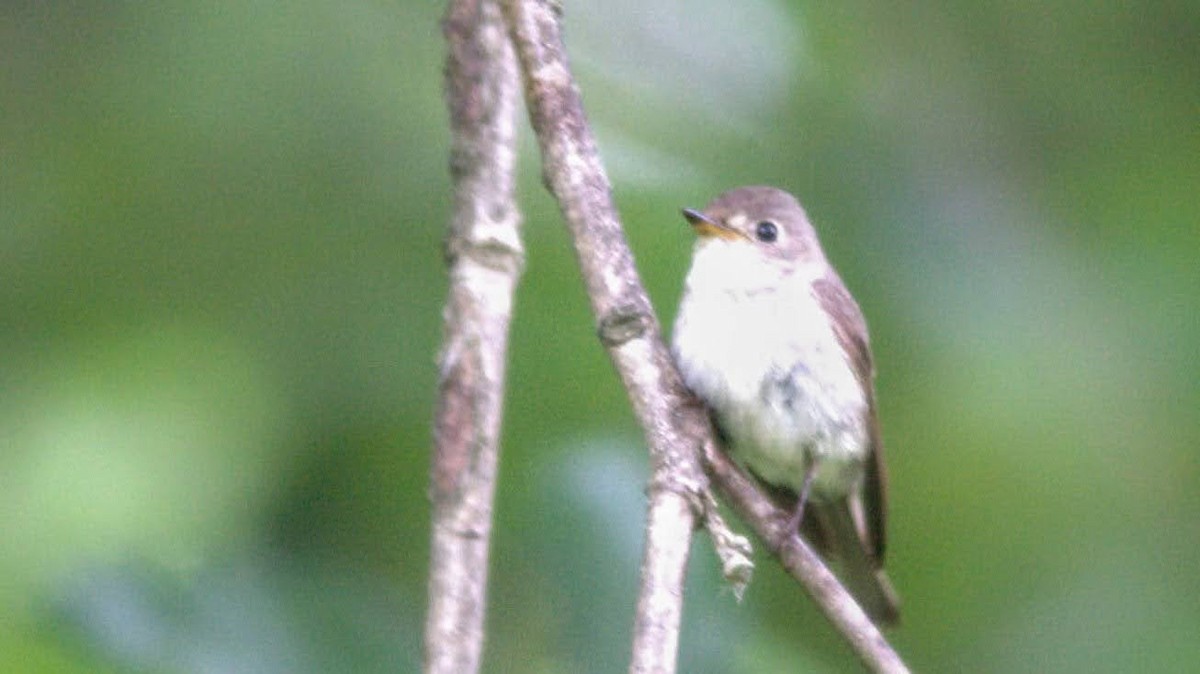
[(220, 290)]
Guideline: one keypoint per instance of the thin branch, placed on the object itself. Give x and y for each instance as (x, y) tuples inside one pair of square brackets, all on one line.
[(485, 257), (626, 324), (768, 521)]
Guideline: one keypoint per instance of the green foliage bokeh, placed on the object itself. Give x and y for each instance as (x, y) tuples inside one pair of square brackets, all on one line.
[(220, 293)]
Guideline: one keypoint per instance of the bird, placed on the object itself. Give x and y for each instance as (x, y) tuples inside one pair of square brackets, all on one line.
[(770, 339)]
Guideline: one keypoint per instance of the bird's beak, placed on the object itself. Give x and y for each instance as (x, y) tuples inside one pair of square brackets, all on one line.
[(707, 227)]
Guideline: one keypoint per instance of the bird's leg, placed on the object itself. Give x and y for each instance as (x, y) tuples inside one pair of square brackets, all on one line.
[(793, 523)]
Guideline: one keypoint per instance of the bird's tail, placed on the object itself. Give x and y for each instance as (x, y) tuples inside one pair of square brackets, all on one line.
[(840, 536)]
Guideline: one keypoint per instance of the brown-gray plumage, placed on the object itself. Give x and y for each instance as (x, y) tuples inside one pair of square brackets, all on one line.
[(769, 337)]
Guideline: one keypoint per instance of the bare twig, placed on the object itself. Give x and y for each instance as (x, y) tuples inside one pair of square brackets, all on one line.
[(768, 521), (484, 254), (626, 325)]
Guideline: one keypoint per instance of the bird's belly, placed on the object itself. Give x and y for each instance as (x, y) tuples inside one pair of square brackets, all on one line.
[(785, 395), (780, 440)]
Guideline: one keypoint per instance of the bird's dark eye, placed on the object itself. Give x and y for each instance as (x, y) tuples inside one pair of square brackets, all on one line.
[(766, 231)]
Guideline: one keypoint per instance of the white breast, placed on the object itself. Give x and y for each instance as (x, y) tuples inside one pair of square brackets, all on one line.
[(761, 352)]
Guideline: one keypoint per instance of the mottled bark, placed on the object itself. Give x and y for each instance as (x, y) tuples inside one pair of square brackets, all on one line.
[(626, 325), (484, 257)]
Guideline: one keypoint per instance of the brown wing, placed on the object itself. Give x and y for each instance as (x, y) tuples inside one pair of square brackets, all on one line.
[(851, 330)]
